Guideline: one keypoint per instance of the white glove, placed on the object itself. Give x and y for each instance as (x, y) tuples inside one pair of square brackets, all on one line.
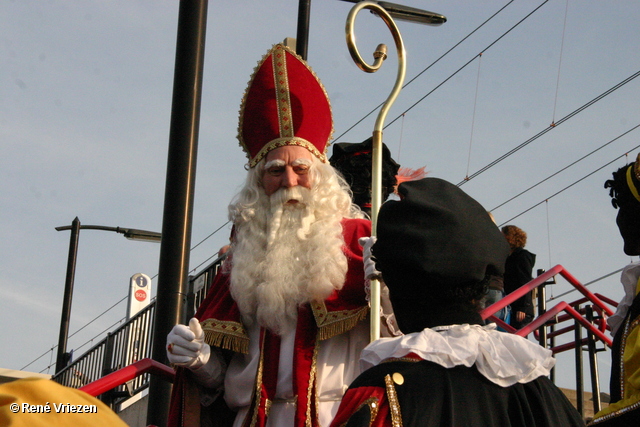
[(370, 272), (186, 346)]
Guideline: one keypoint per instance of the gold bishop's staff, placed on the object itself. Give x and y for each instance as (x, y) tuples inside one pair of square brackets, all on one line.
[(379, 56)]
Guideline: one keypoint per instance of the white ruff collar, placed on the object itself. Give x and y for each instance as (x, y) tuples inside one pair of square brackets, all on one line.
[(502, 358), (629, 280)]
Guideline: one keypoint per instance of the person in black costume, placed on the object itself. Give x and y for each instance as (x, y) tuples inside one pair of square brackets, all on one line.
[(517, 272), (435, 250), (624, 409), (353, 161)]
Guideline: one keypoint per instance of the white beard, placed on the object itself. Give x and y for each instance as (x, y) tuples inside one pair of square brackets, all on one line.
[(288, 254)]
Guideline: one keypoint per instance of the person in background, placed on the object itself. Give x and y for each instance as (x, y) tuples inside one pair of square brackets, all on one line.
[(495, 292), (517, 272), (435, 250), (624, 409), (353, 161)]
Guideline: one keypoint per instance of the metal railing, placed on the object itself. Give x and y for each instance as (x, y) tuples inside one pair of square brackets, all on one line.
[(587, 313), (128, 344), (126, 374), (128, 348)]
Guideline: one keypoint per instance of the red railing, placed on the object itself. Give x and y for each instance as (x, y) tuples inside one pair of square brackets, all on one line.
[(570, 310), (128, 373), (598, 328)]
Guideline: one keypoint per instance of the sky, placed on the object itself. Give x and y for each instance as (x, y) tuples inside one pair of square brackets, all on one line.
[(85, 106)]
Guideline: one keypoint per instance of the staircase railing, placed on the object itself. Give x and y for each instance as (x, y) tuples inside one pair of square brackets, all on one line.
[(589, 312), (127, 345), (108, 367), (126, 374)]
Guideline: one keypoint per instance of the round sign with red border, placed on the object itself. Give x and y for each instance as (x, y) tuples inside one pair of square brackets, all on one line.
[(140, 295)]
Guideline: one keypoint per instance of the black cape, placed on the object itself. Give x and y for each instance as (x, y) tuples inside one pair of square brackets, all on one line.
[(433, 396)]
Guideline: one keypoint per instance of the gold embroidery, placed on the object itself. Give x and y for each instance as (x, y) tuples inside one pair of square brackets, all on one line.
[(267, 407), (394, 404), (257, 393), (401, 359), (283, 100), (281, 142), (253, 162), (312, 382), (373, 405), (335, 323), (614, 414), (632, 186), (609, 412), (225, 334), (630, 326)]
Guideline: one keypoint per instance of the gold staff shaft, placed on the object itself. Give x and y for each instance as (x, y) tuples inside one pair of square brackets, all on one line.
[(376, 173)]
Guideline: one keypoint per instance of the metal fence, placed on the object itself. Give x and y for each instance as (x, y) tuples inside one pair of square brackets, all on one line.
[(129, 343), (132, 341)]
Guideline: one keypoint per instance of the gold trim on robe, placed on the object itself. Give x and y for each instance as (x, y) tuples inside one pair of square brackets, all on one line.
[(335, 323), (228, 335)]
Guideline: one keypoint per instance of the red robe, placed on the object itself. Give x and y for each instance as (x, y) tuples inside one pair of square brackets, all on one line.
[(221, 321)]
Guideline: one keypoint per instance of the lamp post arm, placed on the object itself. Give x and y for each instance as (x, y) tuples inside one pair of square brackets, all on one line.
[(129, 233), (376, 174), (75, 227)]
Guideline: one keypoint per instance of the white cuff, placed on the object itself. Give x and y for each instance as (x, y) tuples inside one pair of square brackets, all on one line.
[(211, 374)]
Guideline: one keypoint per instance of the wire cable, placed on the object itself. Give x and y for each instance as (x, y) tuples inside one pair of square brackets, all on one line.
[(468, 62), (39, 357), (565, 168), (552, 126), (567, 187), (428, 67), (564, 30), (115, 305), (473, 116), (586, 284), (210, 235), (89, 341)]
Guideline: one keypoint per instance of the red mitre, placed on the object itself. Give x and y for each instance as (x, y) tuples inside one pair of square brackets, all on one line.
[(285, 104)]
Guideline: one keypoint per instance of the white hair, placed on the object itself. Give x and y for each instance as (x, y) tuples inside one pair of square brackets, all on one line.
[(285, 255), (328, 185)]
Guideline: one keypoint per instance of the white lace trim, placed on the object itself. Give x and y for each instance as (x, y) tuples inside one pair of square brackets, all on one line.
[(629, 280), (502, 358)]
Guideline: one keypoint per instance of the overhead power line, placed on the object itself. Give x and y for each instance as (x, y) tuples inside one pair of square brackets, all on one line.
[(552, 126), (569, 186), (428, 67), (587, 284), (111, 308), (565, 168), (467, 63)]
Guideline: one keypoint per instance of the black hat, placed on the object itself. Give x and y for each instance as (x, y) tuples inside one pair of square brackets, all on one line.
[(353, 161), (437, 229)]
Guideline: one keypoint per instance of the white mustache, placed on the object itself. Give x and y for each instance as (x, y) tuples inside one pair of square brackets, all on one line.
[(286, 195)]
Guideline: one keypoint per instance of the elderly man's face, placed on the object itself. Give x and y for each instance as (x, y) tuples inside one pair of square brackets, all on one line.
[(286, 167)]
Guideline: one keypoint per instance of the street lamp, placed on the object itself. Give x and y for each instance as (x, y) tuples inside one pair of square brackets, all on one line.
[(75, 227), (397, 11), (406, 13)]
